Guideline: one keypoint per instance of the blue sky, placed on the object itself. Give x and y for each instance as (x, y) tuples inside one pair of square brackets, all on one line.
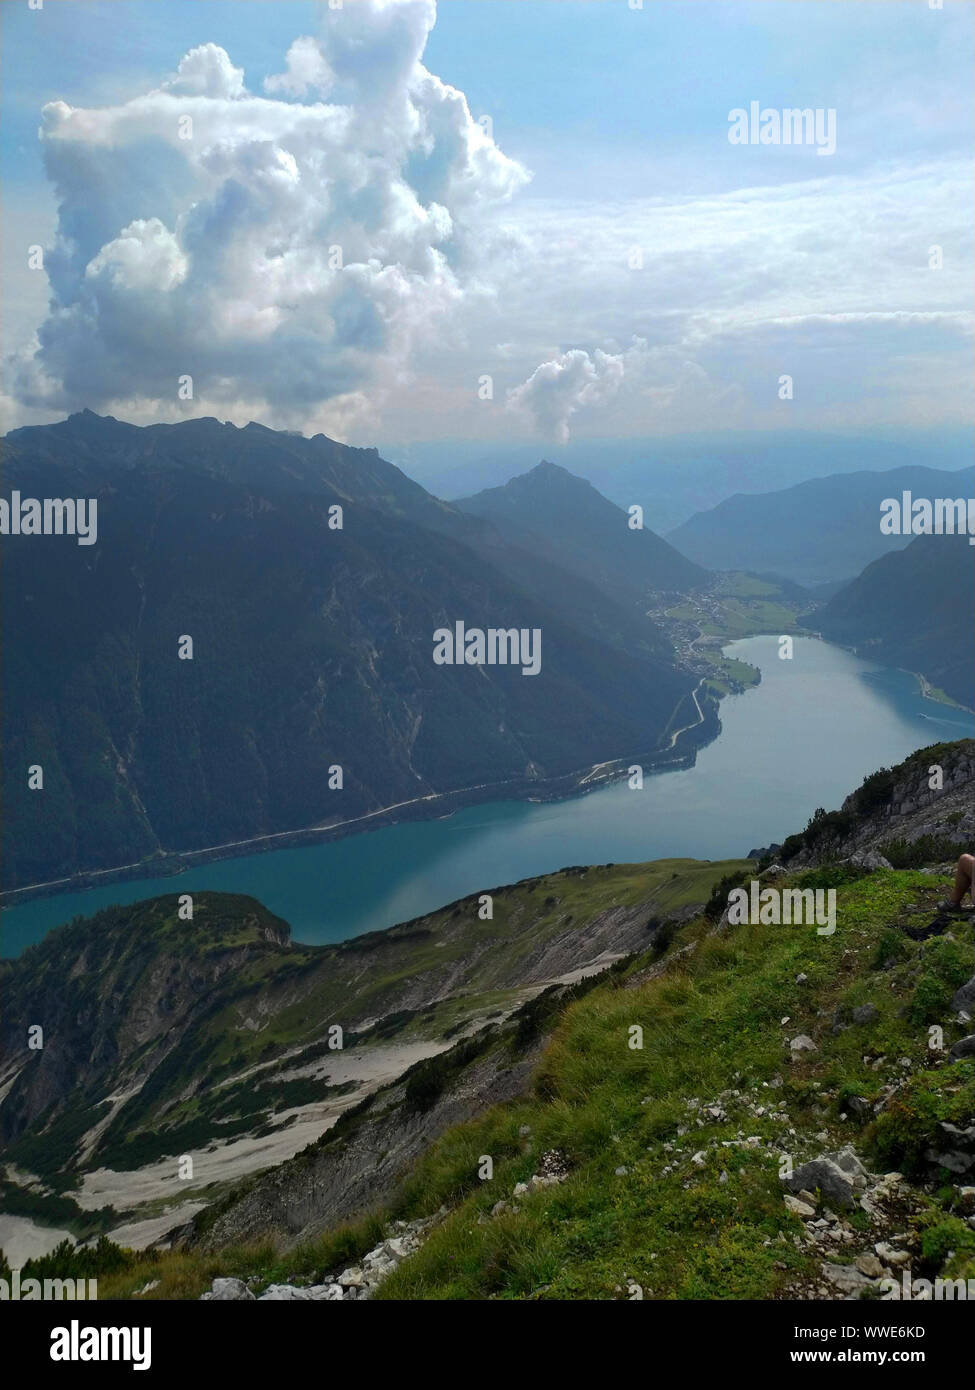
[(756, 261)]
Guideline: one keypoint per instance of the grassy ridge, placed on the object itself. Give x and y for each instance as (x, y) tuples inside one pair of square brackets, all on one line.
[(712, 1024), (241, 1008), (716, 1020)]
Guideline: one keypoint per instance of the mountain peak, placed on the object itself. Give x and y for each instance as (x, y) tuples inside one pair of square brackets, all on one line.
[(548, 469), (553, 512), (90, 417)]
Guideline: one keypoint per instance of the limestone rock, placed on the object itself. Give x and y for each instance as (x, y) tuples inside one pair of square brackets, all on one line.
[(964, 999), (847, 1278), (227, 1290), (837, 1176)]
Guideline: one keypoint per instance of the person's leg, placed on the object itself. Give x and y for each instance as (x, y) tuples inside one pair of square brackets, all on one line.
[(963, 879)]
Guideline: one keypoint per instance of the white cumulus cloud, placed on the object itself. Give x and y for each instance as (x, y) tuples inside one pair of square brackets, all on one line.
[(283, 249), (560, 387)]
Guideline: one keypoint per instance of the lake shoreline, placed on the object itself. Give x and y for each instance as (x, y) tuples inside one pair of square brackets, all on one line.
[(334, 883), (433, 806)]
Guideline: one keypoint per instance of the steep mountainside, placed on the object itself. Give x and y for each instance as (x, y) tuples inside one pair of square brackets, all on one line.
[(552, 513), (735, 1110), (894, 807), (216, 1036), (822, 530), (923, 809), (913, 609), (312, 648)]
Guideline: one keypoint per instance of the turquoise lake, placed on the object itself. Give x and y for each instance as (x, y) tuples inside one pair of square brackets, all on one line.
[(803, 738)]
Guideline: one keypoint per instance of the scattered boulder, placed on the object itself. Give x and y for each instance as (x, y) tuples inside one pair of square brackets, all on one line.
[(869, 860), (891, 1256), (283, 1293), (860, 1108), (964, 999), (955, 1162), (847, 1278), (226, 1291), (837, 1176)]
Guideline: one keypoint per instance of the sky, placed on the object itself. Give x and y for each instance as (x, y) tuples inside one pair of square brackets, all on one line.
[(488, 220)]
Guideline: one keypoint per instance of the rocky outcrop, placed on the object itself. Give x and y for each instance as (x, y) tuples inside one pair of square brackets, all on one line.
[(356, 1282), (900, 805), (855, 1259), (839, 1177)]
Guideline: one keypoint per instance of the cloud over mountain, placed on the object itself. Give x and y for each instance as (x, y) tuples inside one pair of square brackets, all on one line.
[(284, 248), (558, 388)]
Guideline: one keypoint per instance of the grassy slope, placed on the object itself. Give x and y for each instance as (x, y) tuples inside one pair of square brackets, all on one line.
[(222, 1079), (710, 1025), (713, 1022)]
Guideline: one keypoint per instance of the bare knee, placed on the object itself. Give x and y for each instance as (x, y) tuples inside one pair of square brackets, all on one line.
[(967, 864)]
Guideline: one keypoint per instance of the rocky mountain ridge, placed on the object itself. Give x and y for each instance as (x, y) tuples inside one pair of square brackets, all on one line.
[(923, 809), (222, 1038)]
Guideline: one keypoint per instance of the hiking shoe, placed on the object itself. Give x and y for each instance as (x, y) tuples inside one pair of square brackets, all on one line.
[(934, 928)]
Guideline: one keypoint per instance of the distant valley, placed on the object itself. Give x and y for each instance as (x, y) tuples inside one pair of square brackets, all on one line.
[(815, 533), (312, 702)]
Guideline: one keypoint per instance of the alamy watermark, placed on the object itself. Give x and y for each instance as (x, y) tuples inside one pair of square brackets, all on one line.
[(15, 1289), (494, 646), (77, 1343), (773, 907), (790, 126), (924, 1290), (908, 515), (50, 516)]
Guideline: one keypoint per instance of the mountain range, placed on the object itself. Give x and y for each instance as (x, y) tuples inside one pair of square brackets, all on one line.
[(552, 513), (817, 532), (680, 475), (312, 646), (913, 609)]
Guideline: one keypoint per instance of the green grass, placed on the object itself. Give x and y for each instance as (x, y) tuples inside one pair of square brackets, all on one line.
[(749, 617), (196, 1095), (709, 1026), (712, 1022)]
